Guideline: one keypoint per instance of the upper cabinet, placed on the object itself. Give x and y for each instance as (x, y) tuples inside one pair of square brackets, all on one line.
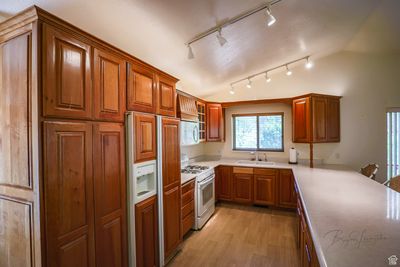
[(66, 75), (166, 96), (316, 119), (215, 123), (141, 88), (109, 86), (201, 113)]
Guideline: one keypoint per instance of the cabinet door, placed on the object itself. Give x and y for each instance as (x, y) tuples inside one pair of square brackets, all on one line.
[(171, 185), (319, 105), (66, 75), (172, 220), (215, 123), (68, 194), (264, 188), (109, 86), (301, 120), (243, 187), (333, 120), (141, 88), (145, 137), (146, 228), (110, 194), (225, 183), (286, 194), (166, 97)]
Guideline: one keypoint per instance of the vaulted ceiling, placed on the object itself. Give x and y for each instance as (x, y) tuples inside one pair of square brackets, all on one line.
[(156, 31)]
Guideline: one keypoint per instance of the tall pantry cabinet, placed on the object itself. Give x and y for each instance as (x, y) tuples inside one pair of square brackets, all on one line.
[(62, 145)]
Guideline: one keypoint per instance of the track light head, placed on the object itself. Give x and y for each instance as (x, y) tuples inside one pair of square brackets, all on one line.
[(270, 18), (190, 52), (267, 78), (248, 84), (309, 63), (288, 71), (221, 39)]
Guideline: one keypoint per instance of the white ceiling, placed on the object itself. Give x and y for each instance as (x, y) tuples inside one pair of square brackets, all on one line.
[(156, 30)]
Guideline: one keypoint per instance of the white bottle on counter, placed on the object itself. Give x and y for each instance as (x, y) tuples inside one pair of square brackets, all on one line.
[(293, 156)]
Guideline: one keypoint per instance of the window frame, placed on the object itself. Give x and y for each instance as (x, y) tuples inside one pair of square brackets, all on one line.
[(257, 115)]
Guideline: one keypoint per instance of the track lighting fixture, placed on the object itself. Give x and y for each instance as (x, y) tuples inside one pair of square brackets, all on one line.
[(190, 52), (248, 84), (309, 63), (267, 78), (288, 71), (232, 91), (221, 39), (270, 19)]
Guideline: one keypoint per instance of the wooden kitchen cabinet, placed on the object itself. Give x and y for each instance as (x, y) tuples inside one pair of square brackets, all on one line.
[(171, 185), (145, 137), (109, 77), (243, 185), (67, 87), (225, 183), (286, 192), (201, 113), (187, 206), (68, 193), (316, 119), (110, 194), (141, 88), (215, 123), (146, 229), (166, 96), (264, 186)]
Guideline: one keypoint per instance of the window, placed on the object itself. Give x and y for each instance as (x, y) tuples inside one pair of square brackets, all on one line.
[(262, 132), (393, 142)]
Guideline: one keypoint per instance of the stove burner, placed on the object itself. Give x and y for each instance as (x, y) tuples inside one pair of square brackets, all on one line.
[(193, 169)]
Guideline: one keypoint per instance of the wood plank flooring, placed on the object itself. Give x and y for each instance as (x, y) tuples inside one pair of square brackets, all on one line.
[(242, 236)]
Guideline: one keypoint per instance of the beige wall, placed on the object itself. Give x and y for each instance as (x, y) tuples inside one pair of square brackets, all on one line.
[(369, 84)]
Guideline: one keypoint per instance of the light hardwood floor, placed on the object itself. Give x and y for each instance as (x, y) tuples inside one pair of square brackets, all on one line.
[(242, 236)]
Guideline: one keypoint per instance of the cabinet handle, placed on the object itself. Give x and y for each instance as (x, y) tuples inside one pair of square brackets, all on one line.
[(308, 253)]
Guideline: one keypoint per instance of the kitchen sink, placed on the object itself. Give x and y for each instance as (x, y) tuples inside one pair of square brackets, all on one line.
[(259, 163)]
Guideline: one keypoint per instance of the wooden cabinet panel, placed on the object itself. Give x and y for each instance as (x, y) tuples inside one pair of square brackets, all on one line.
[(172, 220), (187, 223), (141, 88), (145, 137), (66, 75), (171, 153), (226, 183), (166, 96), (264, 188), (15, 112), (301, 120), (215, 123), (110, 194), (319, 105), (109, 86), (187, 206), (243, 188), (68, 194), (333, 121), (286, 192), (146, 225)]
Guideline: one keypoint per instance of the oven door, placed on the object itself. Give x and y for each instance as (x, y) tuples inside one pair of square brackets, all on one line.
[(206, 195)]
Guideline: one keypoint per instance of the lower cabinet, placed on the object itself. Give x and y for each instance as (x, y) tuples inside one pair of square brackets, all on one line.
[(84, 194), (172, 220), (187, 206), (286, 192), (225, 183), (243, 185), (264, 186), (146, 224)]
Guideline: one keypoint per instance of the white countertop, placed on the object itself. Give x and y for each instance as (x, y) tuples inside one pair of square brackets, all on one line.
[(354, 221)]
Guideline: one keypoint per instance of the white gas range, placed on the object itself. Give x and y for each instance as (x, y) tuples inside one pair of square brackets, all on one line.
[(204, 192)]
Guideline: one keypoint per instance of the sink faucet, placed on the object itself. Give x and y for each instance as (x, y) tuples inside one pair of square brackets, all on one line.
[(255, 154)]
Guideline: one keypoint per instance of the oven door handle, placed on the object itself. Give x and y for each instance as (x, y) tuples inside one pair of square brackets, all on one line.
[(207, 181)]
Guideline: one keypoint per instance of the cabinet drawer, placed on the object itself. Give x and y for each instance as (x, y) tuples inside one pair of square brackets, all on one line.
[(187, 209), (187, 223), (242, 170), (265, 171), (187, 186), (187, 197)]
